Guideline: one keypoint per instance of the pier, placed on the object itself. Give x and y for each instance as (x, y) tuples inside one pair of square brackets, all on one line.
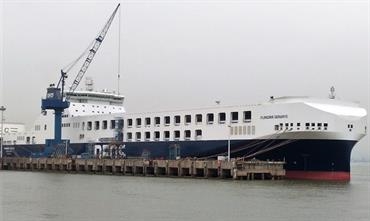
[(234, 169)]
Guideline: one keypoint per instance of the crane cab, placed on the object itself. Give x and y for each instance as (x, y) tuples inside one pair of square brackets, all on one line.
[(54, 99)]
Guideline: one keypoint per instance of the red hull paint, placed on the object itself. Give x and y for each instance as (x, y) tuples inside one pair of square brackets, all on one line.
[(319, 175)]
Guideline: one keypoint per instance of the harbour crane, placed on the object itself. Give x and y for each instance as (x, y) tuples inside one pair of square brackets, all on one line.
[(56, 98)]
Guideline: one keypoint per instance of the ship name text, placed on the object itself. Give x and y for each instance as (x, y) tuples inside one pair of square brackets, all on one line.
[(277, 116)]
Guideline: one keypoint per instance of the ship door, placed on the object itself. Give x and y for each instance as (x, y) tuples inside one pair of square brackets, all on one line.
[(174, 152)]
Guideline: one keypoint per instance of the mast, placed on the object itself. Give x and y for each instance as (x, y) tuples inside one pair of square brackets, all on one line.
[(119, 52)]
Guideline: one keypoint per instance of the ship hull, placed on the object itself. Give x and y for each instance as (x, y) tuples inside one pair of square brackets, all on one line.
[(305, 159)]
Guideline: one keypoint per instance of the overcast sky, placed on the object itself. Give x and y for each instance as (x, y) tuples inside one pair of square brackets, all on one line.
[(184, 54)]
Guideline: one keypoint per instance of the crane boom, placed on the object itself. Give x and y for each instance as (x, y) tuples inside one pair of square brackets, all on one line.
[(93, 51)]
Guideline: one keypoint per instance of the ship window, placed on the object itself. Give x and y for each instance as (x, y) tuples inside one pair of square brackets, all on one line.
[(187, 135), (147, 121), (167, 120), (83, 125), (198, 118), (187, 119), (247, 116), (312, 124), (97, 125), (129, 122), (276, 127), (210, 118), (177, 120), (89, 125), (147, 135), (198, 134), (120, 123), (221, 118), (291, 124), (138, 122), (105, 124), (176, 134), (234, 117), (112, 124), (166, 135), (138, 136), (298, 124), (156, 135), (157, 121), (45, 127), (129, 136), (82, 136), (307, 126)]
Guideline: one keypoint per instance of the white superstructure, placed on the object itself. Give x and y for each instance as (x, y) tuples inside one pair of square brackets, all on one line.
[(279, 118), (90, 117)]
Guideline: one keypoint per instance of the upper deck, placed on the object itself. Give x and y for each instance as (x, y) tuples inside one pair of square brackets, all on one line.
[(107, 98)]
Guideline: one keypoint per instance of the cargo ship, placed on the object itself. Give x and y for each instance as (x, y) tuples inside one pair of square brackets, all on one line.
[(314, 136)]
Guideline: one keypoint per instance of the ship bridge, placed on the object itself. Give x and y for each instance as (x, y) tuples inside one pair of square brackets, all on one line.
[(95, 97), (94, 103)]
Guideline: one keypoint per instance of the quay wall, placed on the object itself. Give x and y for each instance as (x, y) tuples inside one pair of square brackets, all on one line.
[(234, 169)]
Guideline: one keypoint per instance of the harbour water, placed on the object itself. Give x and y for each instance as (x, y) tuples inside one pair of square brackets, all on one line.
[(57, 196)]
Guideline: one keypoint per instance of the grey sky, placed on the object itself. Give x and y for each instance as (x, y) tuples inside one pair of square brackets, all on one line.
[(183, 54)]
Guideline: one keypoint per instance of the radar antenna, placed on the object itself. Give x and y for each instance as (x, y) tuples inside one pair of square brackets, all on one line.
[(332, 93)]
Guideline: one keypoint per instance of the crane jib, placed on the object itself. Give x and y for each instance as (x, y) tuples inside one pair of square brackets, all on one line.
[(93, 51)]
